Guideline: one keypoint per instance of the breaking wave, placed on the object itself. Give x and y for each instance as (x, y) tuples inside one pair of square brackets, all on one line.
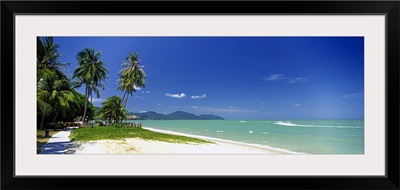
[(288, 123)]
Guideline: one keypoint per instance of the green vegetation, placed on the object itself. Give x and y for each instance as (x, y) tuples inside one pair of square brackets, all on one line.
[(113, 110), (41, 140), (132, 76), (119, 132), (47, 57), (91, 72), (57, 98), (54, 92)]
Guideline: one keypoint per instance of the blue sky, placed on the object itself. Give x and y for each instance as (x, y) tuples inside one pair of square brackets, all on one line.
[(236, 77)]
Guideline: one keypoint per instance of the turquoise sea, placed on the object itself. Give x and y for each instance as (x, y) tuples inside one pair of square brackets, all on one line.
[(300, 136)]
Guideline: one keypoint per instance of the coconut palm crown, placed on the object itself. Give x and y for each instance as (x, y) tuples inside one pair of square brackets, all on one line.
[(112, 109), (132, 77), (47, 57)]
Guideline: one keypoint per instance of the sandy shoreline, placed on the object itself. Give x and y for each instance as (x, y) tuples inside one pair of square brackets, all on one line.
[(140, 146)]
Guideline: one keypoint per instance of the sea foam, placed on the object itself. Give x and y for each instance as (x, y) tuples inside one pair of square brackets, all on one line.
[(288, 123)]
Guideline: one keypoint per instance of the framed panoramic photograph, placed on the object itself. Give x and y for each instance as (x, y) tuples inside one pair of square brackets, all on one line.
[(263, 94)]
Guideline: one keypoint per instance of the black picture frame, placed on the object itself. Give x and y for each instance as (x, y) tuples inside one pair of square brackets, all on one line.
[(389, 8)]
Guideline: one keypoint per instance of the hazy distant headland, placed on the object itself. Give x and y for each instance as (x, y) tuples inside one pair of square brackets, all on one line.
[(178, 115)]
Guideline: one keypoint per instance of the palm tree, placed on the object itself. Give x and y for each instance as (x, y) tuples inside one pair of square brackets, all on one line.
[(54, 95), (47, 57), (54, 92), (43, 94), (62, 97), (91, 72), (132, 76), (112, 109)]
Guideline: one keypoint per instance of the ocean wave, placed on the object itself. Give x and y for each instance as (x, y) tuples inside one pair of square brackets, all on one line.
[(288, 123)]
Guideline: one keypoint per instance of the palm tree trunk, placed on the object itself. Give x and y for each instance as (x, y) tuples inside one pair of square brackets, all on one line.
[(90, 94), (41, 122), (125, 99), (86, 103), (54, 120)]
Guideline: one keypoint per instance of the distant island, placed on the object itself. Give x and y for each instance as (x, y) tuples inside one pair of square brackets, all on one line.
[(178, 115)]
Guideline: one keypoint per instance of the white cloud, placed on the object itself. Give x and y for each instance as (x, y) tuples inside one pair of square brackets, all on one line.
[(194, 107), (275, 77), (137, 88), (160, 104), (296, 105), (94, 100), (294, 80), (175, 95), (199, 96), (291, 80), (143, 111), (355, 95), (145, 92)]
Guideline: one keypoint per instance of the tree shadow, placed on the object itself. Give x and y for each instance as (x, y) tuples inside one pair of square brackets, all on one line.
[(59, 148)]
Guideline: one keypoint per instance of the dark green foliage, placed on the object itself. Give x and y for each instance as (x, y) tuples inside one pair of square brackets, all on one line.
[(57, 100), (53, 88), (47, 57), (131, 76), (113, 110)]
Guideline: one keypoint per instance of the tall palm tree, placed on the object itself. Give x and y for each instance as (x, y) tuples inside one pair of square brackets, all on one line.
[(91, 72), (47, 57), (132, 76), (112, 109)]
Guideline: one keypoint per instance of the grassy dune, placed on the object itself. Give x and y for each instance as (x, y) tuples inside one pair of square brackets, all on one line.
[(119, 133)]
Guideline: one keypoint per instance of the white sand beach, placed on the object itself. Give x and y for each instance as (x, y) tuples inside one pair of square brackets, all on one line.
[(140, 146)]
